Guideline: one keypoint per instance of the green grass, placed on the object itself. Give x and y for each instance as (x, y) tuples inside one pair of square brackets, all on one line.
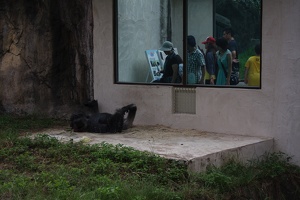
[(44, 168), (14, 126), (243, 57)]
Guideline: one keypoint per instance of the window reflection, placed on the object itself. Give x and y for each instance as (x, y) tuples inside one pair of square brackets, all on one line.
[(144, 25)]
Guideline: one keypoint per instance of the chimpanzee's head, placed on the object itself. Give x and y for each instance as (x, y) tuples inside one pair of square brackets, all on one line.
[(79, 122)]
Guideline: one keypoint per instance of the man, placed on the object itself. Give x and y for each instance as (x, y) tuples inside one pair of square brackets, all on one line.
[(228, 34), (196, 62), (171, 65)]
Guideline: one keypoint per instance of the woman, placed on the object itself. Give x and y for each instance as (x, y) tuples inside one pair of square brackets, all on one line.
[(224, 60), (210, 60)]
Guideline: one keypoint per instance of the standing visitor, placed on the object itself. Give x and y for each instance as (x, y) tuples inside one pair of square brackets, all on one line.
[(210, 60), (252, 68), (171, 65), (224, 60), (228, 34), (195, 62)]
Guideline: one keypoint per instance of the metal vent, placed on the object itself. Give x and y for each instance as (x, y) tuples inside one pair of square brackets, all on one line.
[(184, 100)]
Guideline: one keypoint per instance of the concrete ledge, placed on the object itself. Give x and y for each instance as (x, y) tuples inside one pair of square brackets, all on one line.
[(197, 149), (242, 153)]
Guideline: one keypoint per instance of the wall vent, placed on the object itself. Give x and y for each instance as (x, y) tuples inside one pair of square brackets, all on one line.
[(184, 100)]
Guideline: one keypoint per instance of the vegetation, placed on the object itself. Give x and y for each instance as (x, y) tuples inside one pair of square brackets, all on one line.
[(245, 18), (243, 57), (44, 168)]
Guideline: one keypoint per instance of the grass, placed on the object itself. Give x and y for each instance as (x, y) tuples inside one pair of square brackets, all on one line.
[(44, 168), (243, 57)]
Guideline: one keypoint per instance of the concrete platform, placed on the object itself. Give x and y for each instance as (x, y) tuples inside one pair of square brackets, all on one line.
[(197, 149)]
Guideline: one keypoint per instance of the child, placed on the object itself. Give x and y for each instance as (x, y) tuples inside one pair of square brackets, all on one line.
[(252, 68)]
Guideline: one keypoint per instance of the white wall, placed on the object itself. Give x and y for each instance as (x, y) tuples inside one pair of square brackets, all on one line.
[(280, 71), (138, 17), (139, 29), (273, 111), (203, 28)]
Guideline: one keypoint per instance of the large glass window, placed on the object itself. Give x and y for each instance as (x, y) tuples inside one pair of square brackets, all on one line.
[(142, 27)]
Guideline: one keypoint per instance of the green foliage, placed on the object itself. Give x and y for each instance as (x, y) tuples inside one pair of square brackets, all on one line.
[(273, 165), (43, 168), (13, 126), (243, 57), (245, 18)]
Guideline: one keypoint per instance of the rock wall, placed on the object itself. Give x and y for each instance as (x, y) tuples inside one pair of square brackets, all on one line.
[(46, 51)]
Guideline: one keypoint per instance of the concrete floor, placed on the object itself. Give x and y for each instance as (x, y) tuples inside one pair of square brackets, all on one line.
[(197, 149)]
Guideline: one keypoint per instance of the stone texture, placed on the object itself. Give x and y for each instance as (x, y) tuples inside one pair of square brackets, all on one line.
[(198, 149), (46, 50)]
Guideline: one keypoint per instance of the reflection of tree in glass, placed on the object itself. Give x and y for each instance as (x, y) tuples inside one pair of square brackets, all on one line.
[(245, 19)]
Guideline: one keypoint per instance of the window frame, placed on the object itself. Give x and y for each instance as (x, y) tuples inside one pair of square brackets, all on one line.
[(184, 54)]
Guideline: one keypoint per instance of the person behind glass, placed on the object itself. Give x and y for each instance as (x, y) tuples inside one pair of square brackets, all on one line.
[(195, 62), (224, 60), (252, 68), (171, 66), (210, 60), (228, 34)]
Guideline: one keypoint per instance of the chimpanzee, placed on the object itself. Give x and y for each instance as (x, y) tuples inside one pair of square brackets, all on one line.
[(92, 106), (104, 122)]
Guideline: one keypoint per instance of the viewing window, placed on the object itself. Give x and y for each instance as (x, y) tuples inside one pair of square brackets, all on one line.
[(142, 27)]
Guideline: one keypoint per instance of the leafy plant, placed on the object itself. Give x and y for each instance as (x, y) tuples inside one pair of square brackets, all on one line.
[(41, 167)]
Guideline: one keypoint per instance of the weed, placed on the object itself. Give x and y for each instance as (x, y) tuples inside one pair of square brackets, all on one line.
[(43, 168)]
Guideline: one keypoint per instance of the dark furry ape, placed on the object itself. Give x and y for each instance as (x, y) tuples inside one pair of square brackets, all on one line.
[(104, 122), (91, 107)]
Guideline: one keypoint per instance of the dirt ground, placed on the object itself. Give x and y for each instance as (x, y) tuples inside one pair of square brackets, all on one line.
[(139, 132)]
